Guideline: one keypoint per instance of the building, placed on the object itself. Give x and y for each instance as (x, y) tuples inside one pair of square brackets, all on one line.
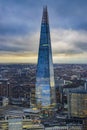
[(77, 103), (20, 120), (85, 124), (66, 127), (75, 126), (5, 88), (57, 128), (15, 124), (45, 86), (4, 101)]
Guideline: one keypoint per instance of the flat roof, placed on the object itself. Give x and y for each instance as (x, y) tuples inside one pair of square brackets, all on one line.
[(30, 110), (79, 91)]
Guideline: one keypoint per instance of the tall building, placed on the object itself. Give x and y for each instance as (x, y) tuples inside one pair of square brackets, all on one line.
[(45, 85), (5, 88), (77, 103)]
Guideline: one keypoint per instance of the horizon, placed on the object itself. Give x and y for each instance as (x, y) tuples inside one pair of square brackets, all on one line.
[(36, 63), (19, 35)]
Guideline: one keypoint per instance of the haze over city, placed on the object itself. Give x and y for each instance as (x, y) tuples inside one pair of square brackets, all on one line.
[(20, 22)]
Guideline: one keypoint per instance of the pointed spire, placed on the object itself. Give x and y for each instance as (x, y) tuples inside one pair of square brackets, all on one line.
[(45, 15)]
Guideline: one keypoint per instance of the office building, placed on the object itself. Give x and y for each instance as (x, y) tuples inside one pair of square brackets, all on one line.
[(45, 85), (77, 103), (5, 88)]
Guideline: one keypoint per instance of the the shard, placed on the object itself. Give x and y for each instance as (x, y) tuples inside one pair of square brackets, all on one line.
[(45, 85)]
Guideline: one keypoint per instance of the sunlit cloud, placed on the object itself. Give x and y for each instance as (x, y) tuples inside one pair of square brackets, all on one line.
[(68, 41), (67, 46)]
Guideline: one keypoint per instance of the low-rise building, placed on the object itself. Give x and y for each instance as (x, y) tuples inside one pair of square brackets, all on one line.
[(4, 101), (66, 127), (17, 120)]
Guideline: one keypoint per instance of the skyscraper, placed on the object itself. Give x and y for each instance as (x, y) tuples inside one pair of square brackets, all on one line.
[(45, 85)]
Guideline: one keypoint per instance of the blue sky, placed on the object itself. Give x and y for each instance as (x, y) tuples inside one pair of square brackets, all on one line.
[(20, 22)]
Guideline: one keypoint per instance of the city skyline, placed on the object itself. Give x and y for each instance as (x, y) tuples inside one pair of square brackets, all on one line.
[(20, 24)]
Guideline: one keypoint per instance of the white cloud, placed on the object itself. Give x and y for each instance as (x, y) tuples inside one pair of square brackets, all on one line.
[(67, 45), (68, 41)]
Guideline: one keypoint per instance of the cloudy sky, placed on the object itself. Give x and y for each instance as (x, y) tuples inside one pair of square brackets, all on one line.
[(20, 22)]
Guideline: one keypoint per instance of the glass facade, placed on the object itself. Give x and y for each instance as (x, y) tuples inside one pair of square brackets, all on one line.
[(77, 103), (15, 124), (45, 86)]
